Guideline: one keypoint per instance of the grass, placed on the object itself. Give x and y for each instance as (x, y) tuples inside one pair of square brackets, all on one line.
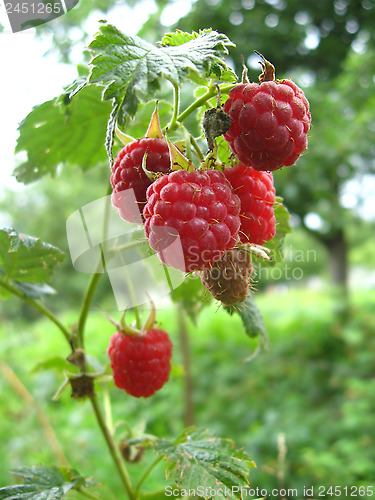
[(313, 386)]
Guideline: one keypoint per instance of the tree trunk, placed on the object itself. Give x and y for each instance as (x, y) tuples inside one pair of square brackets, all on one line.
[(338, 262), (338, 259)]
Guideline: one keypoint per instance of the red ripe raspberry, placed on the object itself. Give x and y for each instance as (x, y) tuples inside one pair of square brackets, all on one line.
[(199, 208), (257, 194), (140, 363), (127, 173), (270, 122)]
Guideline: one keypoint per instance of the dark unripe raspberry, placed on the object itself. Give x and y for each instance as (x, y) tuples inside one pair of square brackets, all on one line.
[(127, 173), (257, 194), (270, 122), (191, 218), (140, 363), (228, 279)]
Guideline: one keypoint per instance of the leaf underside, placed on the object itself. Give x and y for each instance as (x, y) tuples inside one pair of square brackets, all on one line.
[(42, 483), (63, 131), (27, 263)]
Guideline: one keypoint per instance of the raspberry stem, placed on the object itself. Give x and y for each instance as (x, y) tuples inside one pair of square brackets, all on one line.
[(95, 278), (145, 474), (120, 466), (176, 94), (39, 306), (211, 92)]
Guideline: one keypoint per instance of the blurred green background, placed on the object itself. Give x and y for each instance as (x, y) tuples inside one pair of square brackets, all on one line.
[(316, 384)]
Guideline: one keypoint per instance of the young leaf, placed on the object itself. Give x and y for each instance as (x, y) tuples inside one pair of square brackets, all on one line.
[(192, 296), (196, 45), (200, 458), (282, 225), (27, 259), (129, 67), (251, 317), (42, 483), (63, 131)]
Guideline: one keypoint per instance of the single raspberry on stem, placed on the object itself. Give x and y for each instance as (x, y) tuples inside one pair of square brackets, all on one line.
[(270, 121), (140, 359)]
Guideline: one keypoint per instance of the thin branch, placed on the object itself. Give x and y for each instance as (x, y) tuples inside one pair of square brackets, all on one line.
[(39, 306), (176, 94), (120, 466), (146, 473)]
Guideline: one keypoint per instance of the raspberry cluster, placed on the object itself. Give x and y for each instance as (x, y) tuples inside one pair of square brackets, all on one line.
[(194, 216)]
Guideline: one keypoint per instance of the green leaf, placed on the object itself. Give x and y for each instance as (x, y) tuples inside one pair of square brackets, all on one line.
[(42, 483), (129, 67), (192, 296), (63, 131), (282, 225), (198, 46), (200, 458), (27, 259), (55, 363), (253, 323)]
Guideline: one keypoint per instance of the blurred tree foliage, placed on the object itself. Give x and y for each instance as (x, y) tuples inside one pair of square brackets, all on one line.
[(328, 48)]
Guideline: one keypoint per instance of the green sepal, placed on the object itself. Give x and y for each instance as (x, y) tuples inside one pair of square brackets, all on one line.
[(154, 129), (179, 160), (123, 138)]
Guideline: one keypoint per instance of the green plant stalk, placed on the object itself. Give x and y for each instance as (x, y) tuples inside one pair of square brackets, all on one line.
[(176, 93), (94, 280), (120, 466), (87, 494), (133, 296), (39, 306), (86, 304), (211, 92), (145, 474), (196, 147), (107, 408)]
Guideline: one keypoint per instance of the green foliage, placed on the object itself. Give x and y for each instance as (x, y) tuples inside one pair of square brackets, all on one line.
[(129, 67), (282, 226), (191, 296), (255, 402), (27, 263), (42, 483), (199, 458), (314, 385), (251, 317), (279, 31), (70, 132)]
